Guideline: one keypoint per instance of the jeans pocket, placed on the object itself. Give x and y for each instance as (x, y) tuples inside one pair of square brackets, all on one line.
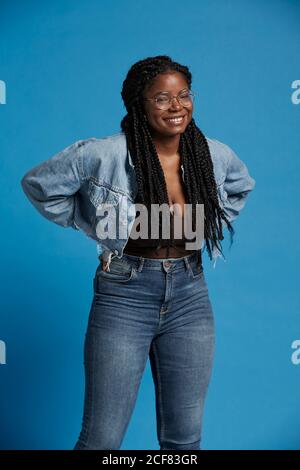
[(196, 270), (119, 271)]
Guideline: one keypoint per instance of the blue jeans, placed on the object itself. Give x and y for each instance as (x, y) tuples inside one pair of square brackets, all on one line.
[(147, 307)]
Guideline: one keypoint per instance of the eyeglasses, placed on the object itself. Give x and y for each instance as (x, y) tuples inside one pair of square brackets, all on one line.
[(164, 100)]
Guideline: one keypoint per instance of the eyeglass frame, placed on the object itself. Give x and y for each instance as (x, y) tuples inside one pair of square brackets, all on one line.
[(171, 98)]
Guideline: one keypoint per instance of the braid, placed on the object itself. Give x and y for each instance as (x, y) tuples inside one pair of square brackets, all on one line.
[(200, 185)]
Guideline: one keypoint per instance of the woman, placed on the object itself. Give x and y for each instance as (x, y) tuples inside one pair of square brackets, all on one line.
[(150, 295)]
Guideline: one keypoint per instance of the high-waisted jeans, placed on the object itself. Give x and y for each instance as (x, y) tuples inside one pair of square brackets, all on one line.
[(156, 308)]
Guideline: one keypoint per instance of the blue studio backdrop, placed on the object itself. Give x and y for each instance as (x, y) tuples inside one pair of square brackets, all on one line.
[(62, 64)]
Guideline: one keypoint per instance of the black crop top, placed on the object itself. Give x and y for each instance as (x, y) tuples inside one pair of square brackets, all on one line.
[(151, 248)]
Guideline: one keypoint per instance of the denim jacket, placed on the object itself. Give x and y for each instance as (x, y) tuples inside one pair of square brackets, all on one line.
[(68, 188)]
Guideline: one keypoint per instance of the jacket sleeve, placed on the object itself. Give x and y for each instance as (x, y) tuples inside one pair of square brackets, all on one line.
[(236, 187), (51, 185)]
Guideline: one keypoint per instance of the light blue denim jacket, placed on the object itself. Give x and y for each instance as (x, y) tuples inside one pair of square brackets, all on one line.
[(68, 188)]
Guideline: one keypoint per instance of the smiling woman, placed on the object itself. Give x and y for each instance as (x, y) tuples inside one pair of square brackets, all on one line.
[(159, 104), (163, 100), (159, 307), (149, 300), (163, 139)]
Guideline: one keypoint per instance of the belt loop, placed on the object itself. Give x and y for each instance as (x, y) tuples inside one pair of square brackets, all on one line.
[(140, 264), (198, 260), (186, 262)]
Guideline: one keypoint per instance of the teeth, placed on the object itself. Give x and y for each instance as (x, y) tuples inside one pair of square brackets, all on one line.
[(175, 120)]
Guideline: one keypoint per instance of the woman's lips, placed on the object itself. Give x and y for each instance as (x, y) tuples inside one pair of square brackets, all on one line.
[(175, 121)]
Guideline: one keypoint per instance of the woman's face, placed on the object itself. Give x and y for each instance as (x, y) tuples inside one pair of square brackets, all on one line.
[(174, 84)]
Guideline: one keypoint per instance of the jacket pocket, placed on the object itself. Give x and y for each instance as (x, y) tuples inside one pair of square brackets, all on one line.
[(101, 194), (106, 204)]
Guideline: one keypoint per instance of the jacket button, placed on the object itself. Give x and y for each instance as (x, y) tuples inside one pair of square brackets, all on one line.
[(116, 252)]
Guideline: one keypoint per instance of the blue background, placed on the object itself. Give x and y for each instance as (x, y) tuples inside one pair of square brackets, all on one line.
[(63, 63)]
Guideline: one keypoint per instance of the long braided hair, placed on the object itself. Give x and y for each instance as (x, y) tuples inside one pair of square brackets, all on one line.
[(200, 185)]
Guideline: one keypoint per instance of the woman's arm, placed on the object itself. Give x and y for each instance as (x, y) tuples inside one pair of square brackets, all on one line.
[(236, 187), (51, 185), (234, 190)]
